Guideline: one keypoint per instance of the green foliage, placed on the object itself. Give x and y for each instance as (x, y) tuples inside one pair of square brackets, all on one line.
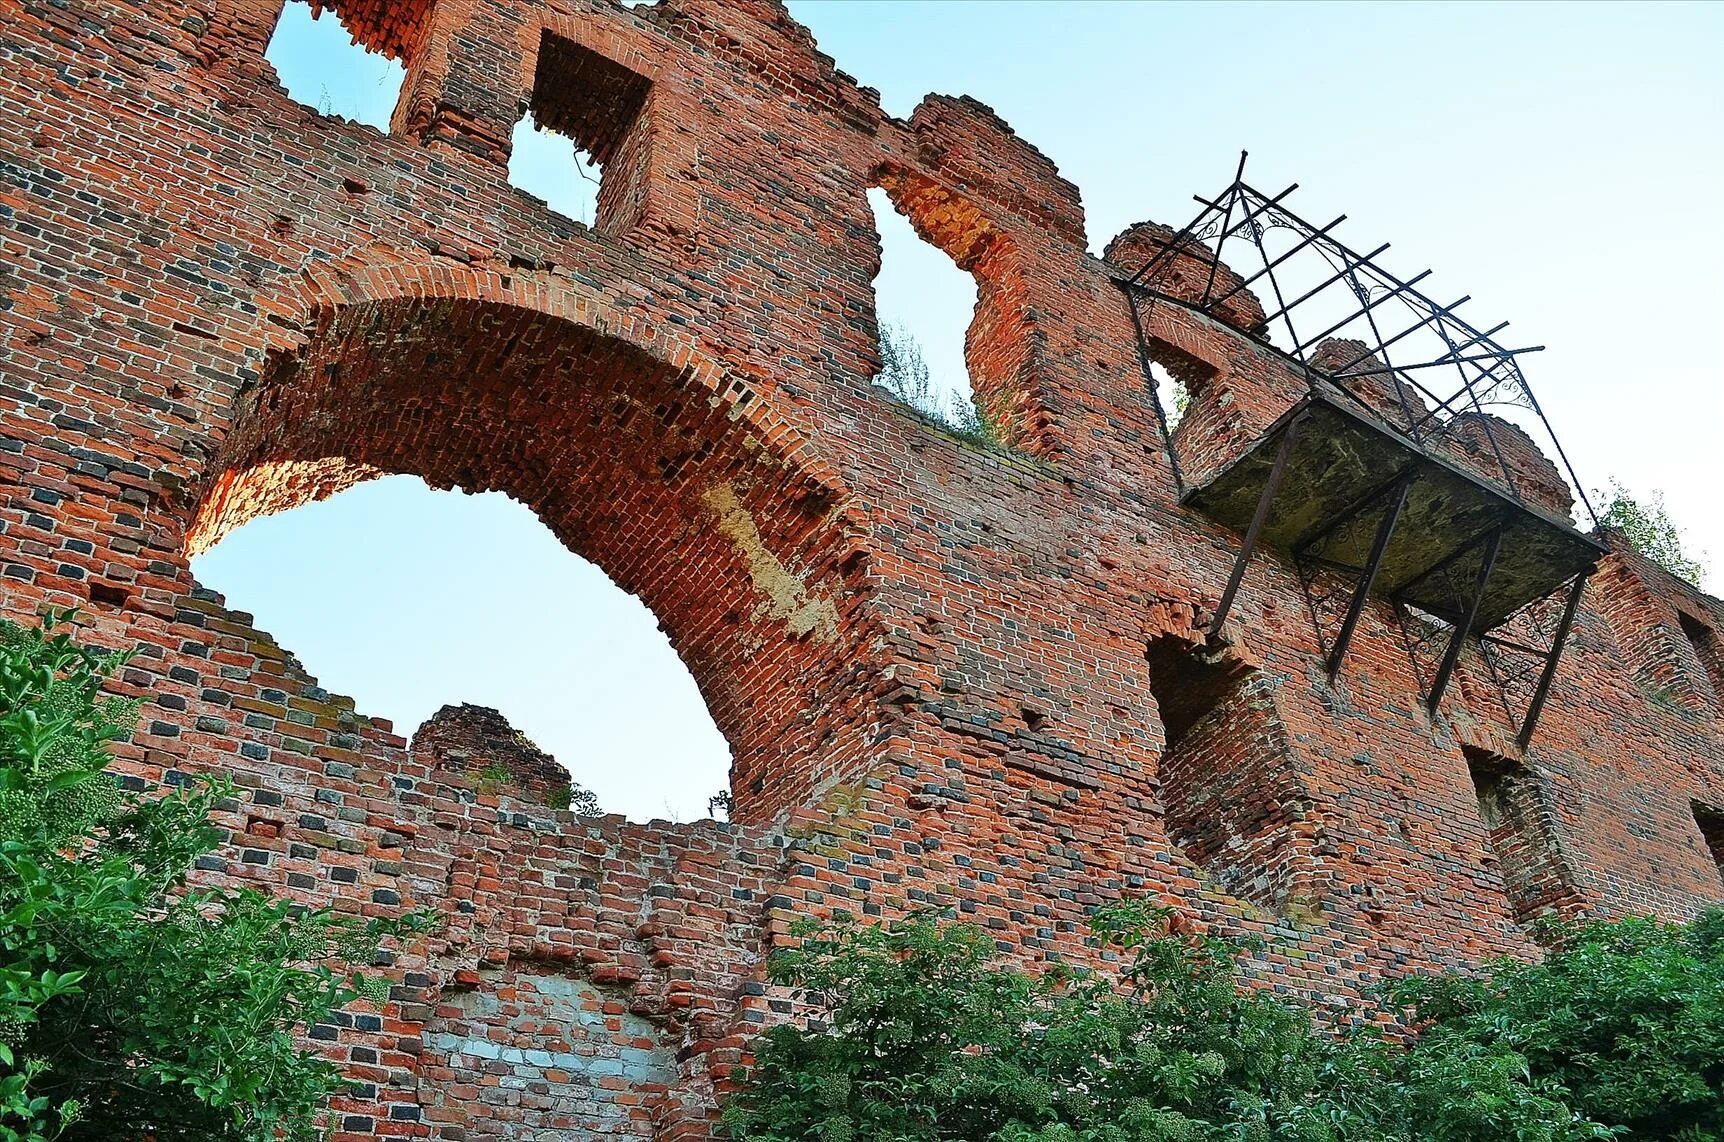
[(904, 374), (919, 1036), (132, 1005), (1650, 531), (1623, 1022), (924, 1039)]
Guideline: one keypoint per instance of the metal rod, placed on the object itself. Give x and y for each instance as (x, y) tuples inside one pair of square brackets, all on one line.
[(1226, 220), (1444, 404), (1293, 337), (1258, 519), (1400, 388), (1479, 409), (1316, 289), (1549, 674), (1498, 357), (1266, 269), (1323, 531), (1184, 237), (1399, 594), (1569, 468), (1487, 563), (1147, 363), (1385, 532), (1426, 323), (1351, 317)]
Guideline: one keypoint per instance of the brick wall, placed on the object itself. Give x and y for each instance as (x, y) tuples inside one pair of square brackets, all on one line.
[(929, 657)]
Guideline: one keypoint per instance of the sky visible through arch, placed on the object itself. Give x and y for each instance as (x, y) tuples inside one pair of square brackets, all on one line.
[(1561, 163)]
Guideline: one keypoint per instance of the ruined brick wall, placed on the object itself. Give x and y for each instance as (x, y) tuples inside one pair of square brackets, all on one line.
[(928, 656)]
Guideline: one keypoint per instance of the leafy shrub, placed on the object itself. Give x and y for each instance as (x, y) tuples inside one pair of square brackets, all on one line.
[(1623, 1021), (917, 1036), (131, 1005)]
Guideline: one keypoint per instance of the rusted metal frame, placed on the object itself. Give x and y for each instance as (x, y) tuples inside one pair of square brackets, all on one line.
[(1390, 296), (1258, 518), (1484, 421), (1452, 655), (1397, 500), (1433, 321), (1549, 673), (1184, 238), (1316, 289), (1286, 318), (1377, 333), (1146, 363), (1445, 404), (1226, 221), (1501, 358), (1210, 306)]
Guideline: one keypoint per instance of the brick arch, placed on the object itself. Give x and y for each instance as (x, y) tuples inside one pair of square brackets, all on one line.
[(641, 455)]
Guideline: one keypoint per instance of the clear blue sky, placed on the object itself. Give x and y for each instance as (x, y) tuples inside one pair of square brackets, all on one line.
[(1564, 164)]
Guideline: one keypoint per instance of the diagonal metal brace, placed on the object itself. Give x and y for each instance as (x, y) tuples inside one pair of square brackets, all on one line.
[(1362, 589), (1556, 645), (1464, 625), (1261, 516)]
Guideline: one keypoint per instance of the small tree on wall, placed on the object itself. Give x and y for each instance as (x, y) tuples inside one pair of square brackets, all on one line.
[(1649, 530), (904, 374), (132, 1005)]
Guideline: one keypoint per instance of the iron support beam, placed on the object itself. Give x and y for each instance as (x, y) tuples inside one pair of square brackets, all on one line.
[(1184, 237), (1311, 538), (1362, 591), (1226, 221), (1319, 287), (1258, 519), (1146, 363), (1210, 306), (1351, 317), (1549, 675), (1487, 564)]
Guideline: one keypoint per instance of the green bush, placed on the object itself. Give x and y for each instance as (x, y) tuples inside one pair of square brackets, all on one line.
[(131, 1005), (918, 1036)]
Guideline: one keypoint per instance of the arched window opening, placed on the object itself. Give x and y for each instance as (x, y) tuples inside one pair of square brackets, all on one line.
[(1227, 784), (322, 64), (639, 455), (412, 600), (582, 146), (1520, 835), (925, 305)]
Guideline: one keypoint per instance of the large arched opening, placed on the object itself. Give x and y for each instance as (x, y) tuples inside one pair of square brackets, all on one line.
[(639, 456)]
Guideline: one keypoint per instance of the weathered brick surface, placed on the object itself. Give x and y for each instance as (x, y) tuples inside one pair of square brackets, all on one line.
[(930, 658)]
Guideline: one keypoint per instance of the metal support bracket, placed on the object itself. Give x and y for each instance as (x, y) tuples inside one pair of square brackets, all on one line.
[(1261, 516), (1397, 500), (1464, 625)]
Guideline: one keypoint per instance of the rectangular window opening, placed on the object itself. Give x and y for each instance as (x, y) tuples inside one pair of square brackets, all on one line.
[(1706, 648), (581, 147), (346, 62)]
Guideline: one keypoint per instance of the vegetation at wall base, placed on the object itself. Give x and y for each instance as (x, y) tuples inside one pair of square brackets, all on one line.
[(132, 1004), (917, 1035)]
